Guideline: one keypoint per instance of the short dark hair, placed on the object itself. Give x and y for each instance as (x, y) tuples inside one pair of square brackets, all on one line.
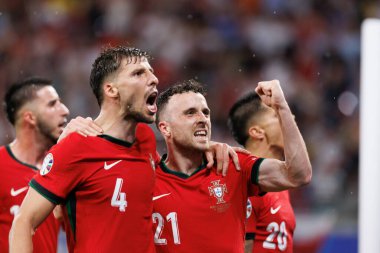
[(19, 93), (241, 113), (178, 88), (108, 62)]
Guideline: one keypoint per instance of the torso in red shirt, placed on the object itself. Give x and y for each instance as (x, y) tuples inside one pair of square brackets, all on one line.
[(106, 186), (204, 212), (15, 177), (272, 222)]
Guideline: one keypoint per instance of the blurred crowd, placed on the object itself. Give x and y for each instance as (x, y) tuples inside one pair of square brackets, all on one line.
[(312, 47)]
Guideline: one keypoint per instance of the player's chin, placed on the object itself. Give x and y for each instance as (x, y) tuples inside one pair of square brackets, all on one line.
[(202, 145), (149, 118)]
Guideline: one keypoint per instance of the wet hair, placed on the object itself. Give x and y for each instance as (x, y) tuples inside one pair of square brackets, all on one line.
[(178, 88), (241, 114), (21, 92), (108, 62)]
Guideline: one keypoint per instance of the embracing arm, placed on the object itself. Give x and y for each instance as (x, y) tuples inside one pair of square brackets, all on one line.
[(295, 171), (34, 210)]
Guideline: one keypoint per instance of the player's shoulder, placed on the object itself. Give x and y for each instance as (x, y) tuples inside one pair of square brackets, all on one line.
[(75, 143), (244, 157), (144, 133), (145, 137), (5, 154), (3, 150)]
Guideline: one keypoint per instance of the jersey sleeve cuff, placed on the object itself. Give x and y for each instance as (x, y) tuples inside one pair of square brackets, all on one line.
[(45, 193), (255, 171), (250, 236)]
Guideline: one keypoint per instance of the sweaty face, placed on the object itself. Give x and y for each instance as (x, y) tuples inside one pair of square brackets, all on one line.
[(137, 87), (50, 113), (188, 118)]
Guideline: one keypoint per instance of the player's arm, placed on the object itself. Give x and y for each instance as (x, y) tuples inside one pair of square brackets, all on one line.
[(33, 211), (295, 171), (248, 246)]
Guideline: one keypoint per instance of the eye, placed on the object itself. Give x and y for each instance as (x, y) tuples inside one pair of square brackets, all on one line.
[(190, 112), (52, 103), (206, 112), (138, 72)]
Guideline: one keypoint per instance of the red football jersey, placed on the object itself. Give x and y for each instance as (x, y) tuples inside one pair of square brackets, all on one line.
[(204, 212), (15, 176), (272, 222), (106, 185)]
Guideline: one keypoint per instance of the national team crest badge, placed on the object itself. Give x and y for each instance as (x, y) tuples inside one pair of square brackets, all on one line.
[(218, 190), (47, 164)]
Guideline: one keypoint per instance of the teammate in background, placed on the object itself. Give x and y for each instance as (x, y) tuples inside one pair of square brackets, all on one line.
[(105, 182), (196, 209), (271, 221), (34, 109)]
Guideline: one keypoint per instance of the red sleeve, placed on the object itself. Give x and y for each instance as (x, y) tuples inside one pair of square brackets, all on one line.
[(250, 165), (60, 172)]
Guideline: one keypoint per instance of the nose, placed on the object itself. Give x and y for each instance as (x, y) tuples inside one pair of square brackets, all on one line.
[(202, 117), (64, 110), (153, 79)]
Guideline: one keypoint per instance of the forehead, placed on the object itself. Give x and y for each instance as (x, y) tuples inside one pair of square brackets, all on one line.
[(128, 63), (184, 101), (46, 93)]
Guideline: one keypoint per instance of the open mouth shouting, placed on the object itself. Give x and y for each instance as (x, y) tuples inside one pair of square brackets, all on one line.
[(201, 134), (151, 102)]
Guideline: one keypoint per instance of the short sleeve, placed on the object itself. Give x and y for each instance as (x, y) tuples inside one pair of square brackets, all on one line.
[(60, 171), (250, 165)]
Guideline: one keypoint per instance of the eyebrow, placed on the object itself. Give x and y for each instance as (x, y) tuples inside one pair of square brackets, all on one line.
[(143, 69)]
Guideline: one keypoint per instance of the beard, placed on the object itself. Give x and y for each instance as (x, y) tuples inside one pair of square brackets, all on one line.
[(187, 145), (138, 116), (47, 131)]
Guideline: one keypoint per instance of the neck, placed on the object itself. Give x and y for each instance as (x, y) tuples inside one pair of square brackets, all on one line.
[(114, 124), (30, 147), (261, 148), (182, 160)]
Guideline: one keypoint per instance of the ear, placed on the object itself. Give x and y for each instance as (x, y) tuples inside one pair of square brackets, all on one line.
[(256, 132), (110, 90), (29, 117), (164, 128)]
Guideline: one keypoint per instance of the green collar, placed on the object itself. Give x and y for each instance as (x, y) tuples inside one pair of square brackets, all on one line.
[(116, 141), (8, 148), (177, 173)]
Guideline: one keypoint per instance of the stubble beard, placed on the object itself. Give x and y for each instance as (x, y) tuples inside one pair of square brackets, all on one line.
[(137, 116), (190, 145), (47, 132)]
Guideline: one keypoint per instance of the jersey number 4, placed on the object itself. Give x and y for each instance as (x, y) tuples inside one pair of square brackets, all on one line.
[(119, 197), (172, 218)]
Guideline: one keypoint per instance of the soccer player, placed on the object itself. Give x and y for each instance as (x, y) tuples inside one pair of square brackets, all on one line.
[(197, 210), (271, 221), (34, 109), (105, 182)]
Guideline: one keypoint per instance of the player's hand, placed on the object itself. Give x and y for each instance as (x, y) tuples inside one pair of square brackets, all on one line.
[(222, 152), (83, 126), (271, 94), (58, 213)]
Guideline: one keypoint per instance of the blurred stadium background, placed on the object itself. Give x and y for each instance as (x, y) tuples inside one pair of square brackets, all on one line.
[(312, 47)]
